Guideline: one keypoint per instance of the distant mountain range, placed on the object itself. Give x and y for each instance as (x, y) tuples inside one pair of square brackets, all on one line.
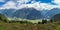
[(52, 12), (30, 13), (7, 12)]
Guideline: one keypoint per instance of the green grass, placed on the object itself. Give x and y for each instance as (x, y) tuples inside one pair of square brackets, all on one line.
[(26, 26), (2, 28), (19, 26)]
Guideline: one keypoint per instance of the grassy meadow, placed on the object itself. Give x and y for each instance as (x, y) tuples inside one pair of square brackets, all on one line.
[(19, 26)]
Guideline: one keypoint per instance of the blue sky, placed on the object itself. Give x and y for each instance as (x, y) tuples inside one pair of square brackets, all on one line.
[(37, 4), (43, 1)]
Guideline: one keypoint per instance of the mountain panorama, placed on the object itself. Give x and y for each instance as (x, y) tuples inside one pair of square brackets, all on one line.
[(30, 13), (30, 9)]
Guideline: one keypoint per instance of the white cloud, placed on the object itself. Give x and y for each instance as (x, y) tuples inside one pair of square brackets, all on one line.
[(2, 1), (37, 5), (56, 1), (22, 1), (22, 4), (42, 6), (33, 2), (8, 5)]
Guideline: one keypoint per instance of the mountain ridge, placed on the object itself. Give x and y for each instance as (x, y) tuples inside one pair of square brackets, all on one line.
[(29, 13)]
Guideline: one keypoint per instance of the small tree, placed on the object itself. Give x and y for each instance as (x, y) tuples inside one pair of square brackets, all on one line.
[(51, 20), (39, 22), (44, 21)]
